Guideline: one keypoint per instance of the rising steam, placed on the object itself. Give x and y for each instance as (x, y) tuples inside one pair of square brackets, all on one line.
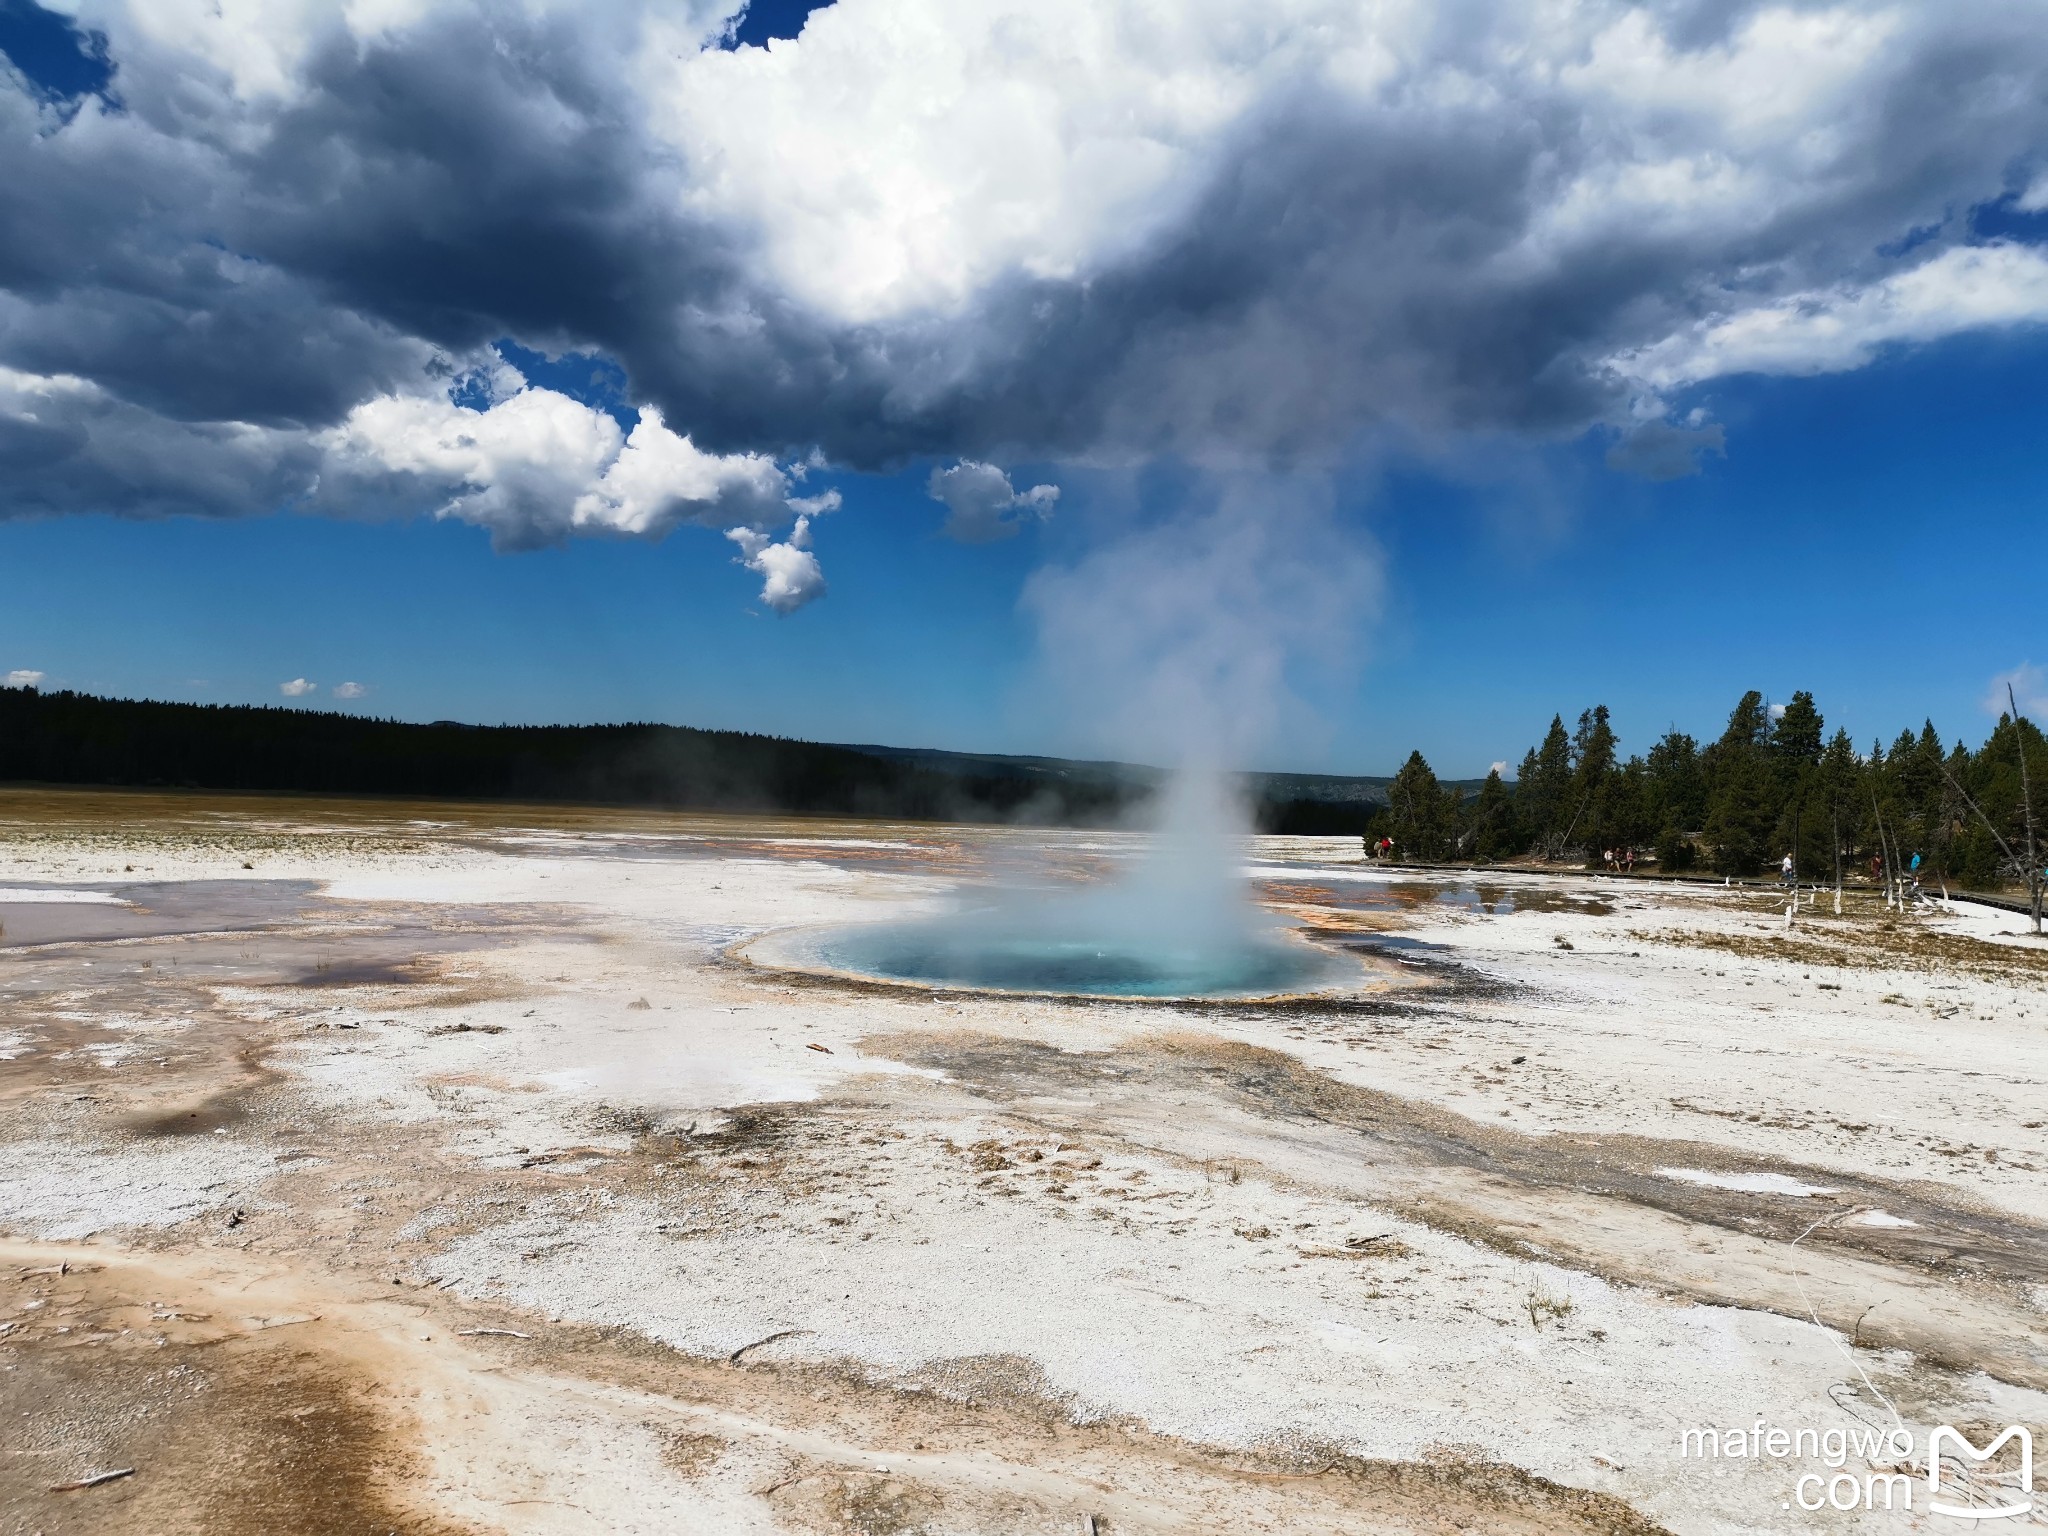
[(1176, 924), (1173, 645)]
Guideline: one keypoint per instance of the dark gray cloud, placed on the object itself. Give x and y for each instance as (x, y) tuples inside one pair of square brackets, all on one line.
[(233, 256), (982, 506), (1658, 450), (70, 446)]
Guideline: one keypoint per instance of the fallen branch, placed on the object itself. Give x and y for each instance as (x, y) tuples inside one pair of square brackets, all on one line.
[(94, 1481), (539, 1159), (1384, 1246), (1322, 1471), (508, 1333), (787, 1333)]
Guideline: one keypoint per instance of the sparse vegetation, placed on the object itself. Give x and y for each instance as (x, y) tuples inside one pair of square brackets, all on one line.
[(1545, 1306)]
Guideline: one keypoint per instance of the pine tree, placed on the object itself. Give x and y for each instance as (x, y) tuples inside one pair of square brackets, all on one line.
[(1593, 748), (1761, 788), (1911, 791), (1492, 830), (1593, 745), (1795, 748), (1545, 787), (1749, 723), (1952, 847), (1796, 740), (1838, 795), (1628, 810), (1743, 792), (1994, 783), (1678, 790), (1420, 808), (1740, 813)]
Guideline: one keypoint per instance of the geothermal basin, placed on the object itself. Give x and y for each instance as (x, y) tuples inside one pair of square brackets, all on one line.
[(375, 1166)]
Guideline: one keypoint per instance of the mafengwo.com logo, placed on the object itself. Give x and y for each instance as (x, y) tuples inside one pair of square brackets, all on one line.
[(1945, 1442), (1961, 1479)]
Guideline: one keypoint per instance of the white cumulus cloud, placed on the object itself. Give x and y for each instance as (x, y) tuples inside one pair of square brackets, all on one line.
[(1041, 230), (24, 677), (981, 504), (349, 690), (815, 506), (659, 480), (1842, 327), (534, 466), (790, 575), (297, 688)]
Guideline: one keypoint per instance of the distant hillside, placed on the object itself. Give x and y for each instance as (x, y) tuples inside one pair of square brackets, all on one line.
[(1327, 805), (1303, 804), (74, 738), (1339, 789), (1351, 790), (1047, 770)]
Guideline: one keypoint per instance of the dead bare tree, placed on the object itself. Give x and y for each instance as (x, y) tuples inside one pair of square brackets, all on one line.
[(1835, 832), (2034, 871), (1794, 906), (1563, 841), (1884, 852)]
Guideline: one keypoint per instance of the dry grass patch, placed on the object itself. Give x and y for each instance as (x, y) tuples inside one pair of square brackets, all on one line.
[(1886, 946)]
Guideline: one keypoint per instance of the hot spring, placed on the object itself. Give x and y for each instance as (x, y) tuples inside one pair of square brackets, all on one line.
[(1178, 924), (998, 959)]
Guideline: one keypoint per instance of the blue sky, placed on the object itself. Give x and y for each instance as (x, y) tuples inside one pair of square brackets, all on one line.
[(1859, 540), (549, 366)]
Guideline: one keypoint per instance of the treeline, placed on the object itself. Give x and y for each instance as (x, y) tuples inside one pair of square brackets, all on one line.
[(73, 738), (1772, 783)]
